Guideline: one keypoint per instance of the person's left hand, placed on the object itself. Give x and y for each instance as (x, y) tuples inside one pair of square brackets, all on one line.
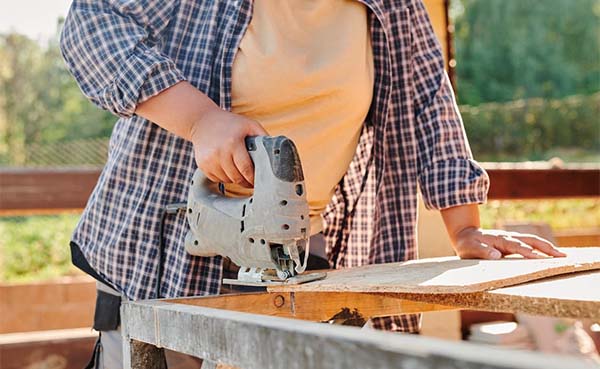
[(477, 243)]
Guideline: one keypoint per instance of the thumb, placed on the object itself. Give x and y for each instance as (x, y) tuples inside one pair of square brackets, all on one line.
[(479, 251)]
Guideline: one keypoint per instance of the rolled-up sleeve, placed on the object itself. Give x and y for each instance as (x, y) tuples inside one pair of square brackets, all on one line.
[(110, 48), (448, 175)]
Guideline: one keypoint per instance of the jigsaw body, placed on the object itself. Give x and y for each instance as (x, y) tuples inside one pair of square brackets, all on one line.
[(264, 234)]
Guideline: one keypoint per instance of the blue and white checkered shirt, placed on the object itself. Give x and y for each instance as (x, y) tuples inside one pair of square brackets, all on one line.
[(123, 52)]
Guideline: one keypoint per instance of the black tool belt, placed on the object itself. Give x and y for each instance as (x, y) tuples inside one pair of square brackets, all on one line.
[(108, 301), (107, 315)]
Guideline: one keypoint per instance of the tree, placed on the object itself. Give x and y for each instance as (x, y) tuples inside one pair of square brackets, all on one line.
[(513, 49), (40, 101)]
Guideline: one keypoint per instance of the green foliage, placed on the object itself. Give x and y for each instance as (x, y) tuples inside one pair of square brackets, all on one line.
[(40, 101), (533, 129), (36, 247), (559, 214), (506, 50), (510, 50)]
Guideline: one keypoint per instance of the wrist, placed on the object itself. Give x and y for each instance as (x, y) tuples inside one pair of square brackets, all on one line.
[(460, 221), (465, 231), (207, 116)]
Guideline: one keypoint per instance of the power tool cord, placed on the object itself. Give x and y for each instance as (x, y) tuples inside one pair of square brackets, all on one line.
[(169, 209)]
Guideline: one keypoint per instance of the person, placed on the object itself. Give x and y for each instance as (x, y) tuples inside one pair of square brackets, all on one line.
[(359, 86)]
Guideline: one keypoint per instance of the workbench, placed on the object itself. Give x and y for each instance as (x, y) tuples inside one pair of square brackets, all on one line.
[(283, 328)]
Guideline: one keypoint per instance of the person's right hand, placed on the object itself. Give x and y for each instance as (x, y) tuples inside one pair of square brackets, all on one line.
[(220, 148)]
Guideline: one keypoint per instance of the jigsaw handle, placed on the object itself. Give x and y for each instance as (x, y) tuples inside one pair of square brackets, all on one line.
[(266, 230)]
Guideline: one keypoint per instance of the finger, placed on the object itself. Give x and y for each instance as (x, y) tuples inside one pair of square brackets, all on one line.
[(478, 250), (220, 175), (541, 244), (211, 177), (255, 129), (243, 163), (509, 245), (232, 172)]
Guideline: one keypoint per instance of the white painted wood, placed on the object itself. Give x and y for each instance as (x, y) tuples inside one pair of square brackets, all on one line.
[(252, 341)]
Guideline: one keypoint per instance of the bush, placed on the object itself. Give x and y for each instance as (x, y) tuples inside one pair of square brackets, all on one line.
[(530, 129), (36, 247)]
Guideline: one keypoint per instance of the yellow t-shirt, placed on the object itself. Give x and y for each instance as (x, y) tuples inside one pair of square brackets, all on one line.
[(304, 69)]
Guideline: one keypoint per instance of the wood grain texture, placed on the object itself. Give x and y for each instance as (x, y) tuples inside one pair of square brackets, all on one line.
[(449, 274), (314, 306), (252, 341)]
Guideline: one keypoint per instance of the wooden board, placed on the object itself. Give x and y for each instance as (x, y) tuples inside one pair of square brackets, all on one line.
[(251, 341), (450, 274), (314, 306), (574, 295)]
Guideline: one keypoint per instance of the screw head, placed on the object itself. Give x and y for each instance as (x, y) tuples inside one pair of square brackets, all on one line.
[(279, 301)]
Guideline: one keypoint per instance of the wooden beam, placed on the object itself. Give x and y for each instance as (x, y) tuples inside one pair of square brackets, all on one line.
[(313, 306), (520, 184), (251, 341), (26, 191), (65, 349), (59, 304), (145, 356), (41, 191), (578, 237)]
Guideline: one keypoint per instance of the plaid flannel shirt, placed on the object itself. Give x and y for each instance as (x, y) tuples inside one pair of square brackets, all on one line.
[(122, 52)]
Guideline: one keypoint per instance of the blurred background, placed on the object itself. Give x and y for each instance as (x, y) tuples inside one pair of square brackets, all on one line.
[(527, 78)]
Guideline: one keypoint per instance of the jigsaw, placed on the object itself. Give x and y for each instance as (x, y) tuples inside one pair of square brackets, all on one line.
[(266, 233)]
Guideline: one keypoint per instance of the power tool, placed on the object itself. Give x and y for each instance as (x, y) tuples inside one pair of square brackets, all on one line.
[(265, 233)]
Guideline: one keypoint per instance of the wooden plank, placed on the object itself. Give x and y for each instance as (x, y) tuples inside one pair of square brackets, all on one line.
[(65, 349), (578, 237), (578, 293), (514, 184), (252, 341), (442, 324), (24, 191), (449, 274), (568, 296), (313, 306), (60, 304)]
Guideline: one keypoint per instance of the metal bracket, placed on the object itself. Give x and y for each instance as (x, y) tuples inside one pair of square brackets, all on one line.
[(259, 277)]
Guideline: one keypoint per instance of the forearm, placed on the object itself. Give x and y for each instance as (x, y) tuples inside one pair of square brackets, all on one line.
[(458, 218), (177, 109), (216, 134)]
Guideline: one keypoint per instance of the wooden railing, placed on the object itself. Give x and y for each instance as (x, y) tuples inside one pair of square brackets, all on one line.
[(35, 191)]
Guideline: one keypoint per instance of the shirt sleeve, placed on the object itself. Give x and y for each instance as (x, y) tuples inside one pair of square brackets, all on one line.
[(110, 48), (448, 175)]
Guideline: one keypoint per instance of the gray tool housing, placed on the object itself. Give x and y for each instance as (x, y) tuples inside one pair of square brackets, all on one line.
[(266, 231)]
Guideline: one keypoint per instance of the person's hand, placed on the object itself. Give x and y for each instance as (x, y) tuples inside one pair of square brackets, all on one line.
[(218, 136), (219, 146), (477, 243)]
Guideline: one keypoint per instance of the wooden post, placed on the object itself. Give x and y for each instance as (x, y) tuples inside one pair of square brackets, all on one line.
[(140, 355)]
